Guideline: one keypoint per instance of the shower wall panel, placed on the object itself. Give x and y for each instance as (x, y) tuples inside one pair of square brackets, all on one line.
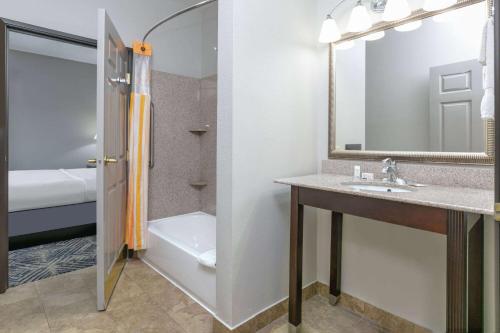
[(181, 157), (177, 151)]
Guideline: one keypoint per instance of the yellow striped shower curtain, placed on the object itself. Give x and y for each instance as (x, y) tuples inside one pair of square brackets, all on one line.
[(138, 148)]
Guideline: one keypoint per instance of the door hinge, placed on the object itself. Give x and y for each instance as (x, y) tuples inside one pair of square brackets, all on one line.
[(497, 211)]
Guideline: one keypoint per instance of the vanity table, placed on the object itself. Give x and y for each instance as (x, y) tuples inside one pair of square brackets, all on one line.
[(438, 209)]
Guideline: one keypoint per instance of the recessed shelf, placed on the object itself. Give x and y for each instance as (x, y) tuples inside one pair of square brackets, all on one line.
[(198, 131), (199, 183)]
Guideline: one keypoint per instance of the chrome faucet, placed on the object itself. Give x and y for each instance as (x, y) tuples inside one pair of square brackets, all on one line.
[(390, 168)]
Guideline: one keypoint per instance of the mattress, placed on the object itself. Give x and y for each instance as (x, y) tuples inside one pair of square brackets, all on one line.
[(32, 189)]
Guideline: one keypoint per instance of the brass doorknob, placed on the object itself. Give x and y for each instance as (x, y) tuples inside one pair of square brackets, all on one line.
[(108, 159)]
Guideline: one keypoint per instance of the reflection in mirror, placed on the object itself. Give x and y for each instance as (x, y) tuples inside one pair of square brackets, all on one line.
[(413, 90)]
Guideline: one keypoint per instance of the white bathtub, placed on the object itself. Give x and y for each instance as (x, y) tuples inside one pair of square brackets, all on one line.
[(174, 246)]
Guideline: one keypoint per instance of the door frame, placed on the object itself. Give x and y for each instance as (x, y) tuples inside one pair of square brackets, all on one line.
[(7, 26), (496, 42)]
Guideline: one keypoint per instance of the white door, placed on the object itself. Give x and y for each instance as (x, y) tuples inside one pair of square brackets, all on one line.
[(455, 115), (112, 101)]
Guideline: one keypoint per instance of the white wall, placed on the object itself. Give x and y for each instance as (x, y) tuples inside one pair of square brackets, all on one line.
[(390, 266), (266, 130), (177, 46)]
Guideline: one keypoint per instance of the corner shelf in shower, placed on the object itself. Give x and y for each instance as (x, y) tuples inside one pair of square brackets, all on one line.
[(198, 131), (199, 184)]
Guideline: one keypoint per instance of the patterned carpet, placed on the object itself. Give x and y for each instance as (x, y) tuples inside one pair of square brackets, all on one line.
[(40, 262)]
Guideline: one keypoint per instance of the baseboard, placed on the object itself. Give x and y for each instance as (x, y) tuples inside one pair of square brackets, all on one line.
[(45, 237), (385, 320), (266, 316)]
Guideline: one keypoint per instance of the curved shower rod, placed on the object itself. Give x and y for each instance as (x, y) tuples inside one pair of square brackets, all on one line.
[(183, 11)]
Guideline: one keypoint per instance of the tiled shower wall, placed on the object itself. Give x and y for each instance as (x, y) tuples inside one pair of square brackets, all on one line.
[(181, 157)]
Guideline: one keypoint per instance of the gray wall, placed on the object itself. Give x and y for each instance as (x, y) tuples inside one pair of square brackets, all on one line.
[(397, 77), (52, 112)]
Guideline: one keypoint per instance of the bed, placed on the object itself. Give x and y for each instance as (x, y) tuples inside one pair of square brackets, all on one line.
[(49, 205)]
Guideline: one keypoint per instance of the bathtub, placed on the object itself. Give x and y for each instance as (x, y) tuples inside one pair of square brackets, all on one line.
[(174, 246)]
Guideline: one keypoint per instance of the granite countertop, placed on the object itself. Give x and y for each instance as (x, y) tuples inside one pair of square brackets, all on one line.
[(469, 200)]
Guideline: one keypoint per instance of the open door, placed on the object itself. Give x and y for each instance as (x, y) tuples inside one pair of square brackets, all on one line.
[(112, 102)]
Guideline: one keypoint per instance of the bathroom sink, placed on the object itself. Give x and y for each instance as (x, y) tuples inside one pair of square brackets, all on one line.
[(378, 188)]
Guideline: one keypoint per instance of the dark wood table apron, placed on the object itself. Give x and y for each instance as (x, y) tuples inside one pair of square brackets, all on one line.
[(464, 271)]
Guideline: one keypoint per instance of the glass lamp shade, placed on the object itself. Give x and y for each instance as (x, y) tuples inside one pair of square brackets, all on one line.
[(329, 31), (374, 36), (432, 5), (360, 19), (396, 10), (409, 26)]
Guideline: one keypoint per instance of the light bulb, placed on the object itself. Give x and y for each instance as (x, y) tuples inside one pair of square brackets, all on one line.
[(396, 10), (345, 45), (329, 31), (432, 5), (360, 19), (374, 36), (409, 26)]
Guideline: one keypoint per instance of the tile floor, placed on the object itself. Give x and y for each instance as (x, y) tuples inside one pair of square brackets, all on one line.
[(143, 302), (318, 316)]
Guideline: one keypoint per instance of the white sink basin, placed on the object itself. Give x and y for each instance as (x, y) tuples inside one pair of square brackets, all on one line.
[(379, 188)]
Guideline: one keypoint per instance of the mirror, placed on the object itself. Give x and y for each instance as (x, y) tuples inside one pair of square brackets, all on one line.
[(413, 93)]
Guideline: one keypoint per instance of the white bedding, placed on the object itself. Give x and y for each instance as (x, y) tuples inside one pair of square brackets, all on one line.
[(31, 189)]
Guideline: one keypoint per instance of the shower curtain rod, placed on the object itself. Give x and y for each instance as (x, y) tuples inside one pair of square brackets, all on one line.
[(165, 20)]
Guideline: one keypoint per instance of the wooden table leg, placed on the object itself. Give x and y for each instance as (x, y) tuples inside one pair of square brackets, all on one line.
[(296, 231), (475, 277), (335, 257), (456, 273)]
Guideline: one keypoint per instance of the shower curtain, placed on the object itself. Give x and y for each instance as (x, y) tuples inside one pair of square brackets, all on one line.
[(138, 148)]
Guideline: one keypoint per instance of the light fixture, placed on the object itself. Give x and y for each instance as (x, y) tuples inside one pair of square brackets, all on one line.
[(360, 19), (432, 5), (329, 31), (374, 36), (409, 26), (396, 10), (344, 45)]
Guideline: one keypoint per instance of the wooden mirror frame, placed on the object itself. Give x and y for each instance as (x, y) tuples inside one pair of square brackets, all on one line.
[(483, 158)]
